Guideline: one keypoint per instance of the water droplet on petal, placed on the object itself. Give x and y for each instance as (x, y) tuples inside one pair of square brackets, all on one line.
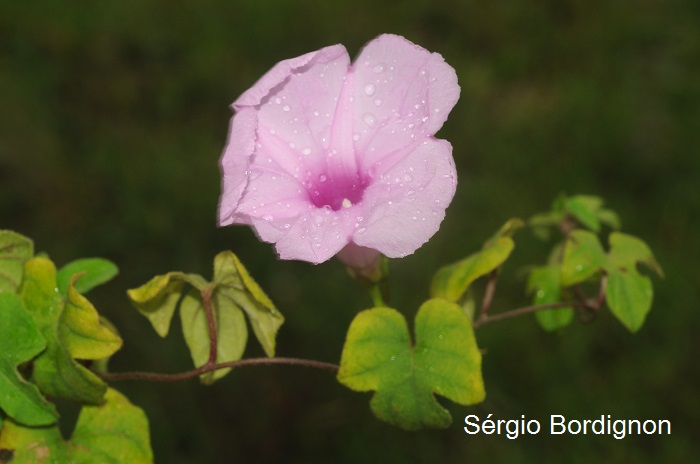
[(268, 218), (408, 178), (369, 89), (287, 226), (278, 100), (322, 178), (356, 137), (272, 132), (378, 69), (286, 108), (369, 119), (377, 102), (317, 245), (361, 230), (306, 151)]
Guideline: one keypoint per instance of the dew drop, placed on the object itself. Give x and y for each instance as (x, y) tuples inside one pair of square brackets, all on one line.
[(317, 245), (378, 69), (306, 151), (369, 89), (268, 218), (356, 137), (278, 100), (369, 119), (292, 145), (322, 178), (408, 178), (287, 226), (377, 102), (272, 132), (361, 230), (393, 357), (286, 108)]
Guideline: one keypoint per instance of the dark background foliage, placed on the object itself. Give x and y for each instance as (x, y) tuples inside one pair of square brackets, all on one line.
[(114, 115)]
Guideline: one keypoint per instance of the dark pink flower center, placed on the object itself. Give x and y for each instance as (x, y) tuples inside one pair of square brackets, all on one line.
[(336, 192)]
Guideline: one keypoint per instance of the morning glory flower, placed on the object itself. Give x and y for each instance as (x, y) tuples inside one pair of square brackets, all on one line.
[(325, 155)]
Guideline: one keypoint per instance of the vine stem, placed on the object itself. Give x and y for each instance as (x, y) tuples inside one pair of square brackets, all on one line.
[(154, 377), (211, 323), (487, 319)]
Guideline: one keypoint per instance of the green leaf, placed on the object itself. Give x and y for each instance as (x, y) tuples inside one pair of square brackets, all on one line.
[(20, 341), (55, 371), (626, 251), (157, 300), (585, 208), (629, 294), (95, 271), (115, 432), (15, 249), (233, 281), (583, 257), (610, 218), (378, 356), (81, 330), (450, 282), (231, 332), (546, 284)]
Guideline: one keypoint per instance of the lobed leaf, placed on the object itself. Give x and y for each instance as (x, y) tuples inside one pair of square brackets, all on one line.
[(629, 294), (378, 356), (233, 282), (626, 251), (93, 271), (157, 300), (20, 341), (15, 249), (114, 432)]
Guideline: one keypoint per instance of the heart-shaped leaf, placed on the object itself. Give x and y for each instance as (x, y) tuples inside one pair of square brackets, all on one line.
[(378, 356)]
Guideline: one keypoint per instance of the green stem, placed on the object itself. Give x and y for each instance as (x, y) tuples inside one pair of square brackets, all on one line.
[(375, 292)]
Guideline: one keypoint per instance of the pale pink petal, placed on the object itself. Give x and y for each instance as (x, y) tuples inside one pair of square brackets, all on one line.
[(403, 94), (295, 118), (317, 235), (405, 206), (235, 162)]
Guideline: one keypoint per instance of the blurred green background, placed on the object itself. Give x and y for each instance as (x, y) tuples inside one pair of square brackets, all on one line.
[(114, 115)]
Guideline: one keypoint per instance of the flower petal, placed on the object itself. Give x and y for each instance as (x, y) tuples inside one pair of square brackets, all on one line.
[(403, 93), (296, 115), (404, 207), (234, 163), (317, 235)]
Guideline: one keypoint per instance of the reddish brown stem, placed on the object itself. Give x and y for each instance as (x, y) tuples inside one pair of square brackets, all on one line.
[(211, 323), (213, 367)]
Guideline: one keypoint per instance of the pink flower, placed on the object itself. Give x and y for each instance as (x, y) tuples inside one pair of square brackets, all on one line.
[(323, 153)]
